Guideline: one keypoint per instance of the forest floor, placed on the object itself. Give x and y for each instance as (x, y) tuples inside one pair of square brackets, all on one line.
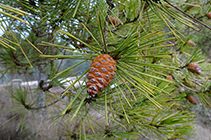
[(203, 132), (37, 128)]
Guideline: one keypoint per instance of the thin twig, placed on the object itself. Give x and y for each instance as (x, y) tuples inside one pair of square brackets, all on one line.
[(182, 67), (117, 25), (126, 22), (57, 4), (189, 15), (184, 85)]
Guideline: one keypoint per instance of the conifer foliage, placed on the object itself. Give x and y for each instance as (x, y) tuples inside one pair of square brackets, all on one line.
[(140, 64)]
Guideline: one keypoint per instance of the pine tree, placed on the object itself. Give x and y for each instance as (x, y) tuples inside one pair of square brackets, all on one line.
[(159, 72)]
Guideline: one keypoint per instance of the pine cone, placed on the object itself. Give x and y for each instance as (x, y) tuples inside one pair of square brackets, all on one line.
[(208, 15), (169, 77), (113, 20), (191, 5), (191, 100), (101, 72), (190, 83), (193, 67), (167, 5), (191, 43)]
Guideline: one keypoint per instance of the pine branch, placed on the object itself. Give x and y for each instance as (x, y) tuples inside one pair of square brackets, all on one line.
[(126, 22), (196, 91), (189, 15)]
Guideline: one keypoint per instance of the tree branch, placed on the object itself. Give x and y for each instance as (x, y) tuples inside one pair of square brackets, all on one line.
[(189, 15), (126, 22), (183, 84)]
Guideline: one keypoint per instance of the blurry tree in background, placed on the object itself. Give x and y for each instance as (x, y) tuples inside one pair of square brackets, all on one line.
[(160, 71), (28, 37), (203, 39)]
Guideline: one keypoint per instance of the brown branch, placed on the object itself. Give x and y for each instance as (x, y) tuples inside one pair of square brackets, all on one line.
[(57, 4), (111, 6), (182, 67), (126, 22), (183, 84), (110, 3), (189, 15), (196, 91)]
